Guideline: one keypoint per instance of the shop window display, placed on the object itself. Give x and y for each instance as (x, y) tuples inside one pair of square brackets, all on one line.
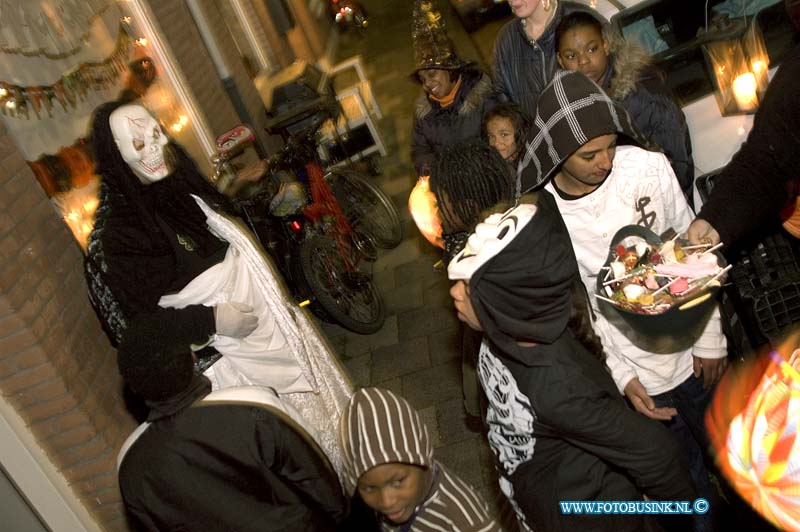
[(51, 82)]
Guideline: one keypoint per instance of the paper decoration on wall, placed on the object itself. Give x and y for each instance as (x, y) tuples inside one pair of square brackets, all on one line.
[(55, 29), (71, 167), (18, 102)]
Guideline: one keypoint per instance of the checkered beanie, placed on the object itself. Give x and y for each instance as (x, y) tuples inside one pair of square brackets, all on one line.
[(571, 111), (379, 427)]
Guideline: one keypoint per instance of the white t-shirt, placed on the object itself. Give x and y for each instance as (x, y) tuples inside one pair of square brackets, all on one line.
[(641, 190)]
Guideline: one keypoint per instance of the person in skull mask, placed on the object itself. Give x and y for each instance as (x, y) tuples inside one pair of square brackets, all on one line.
[(162, 238)]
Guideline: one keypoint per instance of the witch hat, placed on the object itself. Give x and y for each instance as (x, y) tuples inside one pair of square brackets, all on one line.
[(432, 47)]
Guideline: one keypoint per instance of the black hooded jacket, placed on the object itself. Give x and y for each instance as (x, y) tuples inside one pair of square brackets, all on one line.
[(436, 126), (227, 466), (523, 68)]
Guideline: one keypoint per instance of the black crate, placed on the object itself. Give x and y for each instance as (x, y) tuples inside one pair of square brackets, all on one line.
[(764, 281), (353, 143)]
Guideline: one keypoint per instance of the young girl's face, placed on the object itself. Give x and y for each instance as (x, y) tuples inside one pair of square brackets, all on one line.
[(501, 136), (461, 300), (394, 489), (584, 50)]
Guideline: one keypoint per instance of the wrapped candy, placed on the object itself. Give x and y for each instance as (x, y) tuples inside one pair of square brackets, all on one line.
[(633, 291), (630, 260), (650, 278)]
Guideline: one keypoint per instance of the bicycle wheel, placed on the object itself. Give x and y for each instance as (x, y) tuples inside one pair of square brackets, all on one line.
[(367, 208), (348, 298)]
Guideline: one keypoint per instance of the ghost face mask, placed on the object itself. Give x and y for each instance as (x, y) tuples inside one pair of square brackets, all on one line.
[(140, 141)]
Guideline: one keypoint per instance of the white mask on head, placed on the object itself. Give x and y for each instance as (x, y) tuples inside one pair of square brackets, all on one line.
[(140, 141)]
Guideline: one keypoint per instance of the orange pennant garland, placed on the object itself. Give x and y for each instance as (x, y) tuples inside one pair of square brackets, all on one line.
[(72, 86)]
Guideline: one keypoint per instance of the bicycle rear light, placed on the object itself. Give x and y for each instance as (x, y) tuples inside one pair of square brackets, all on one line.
[(296, 226)]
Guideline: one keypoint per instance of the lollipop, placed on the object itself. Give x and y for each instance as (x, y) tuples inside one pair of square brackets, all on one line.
[(649, 277), (664, 291)]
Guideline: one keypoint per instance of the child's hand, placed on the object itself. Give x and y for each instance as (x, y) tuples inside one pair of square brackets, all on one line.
[(712, 369), (644, 404)]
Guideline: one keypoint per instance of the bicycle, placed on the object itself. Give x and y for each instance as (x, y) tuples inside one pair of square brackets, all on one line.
[(321, 246)]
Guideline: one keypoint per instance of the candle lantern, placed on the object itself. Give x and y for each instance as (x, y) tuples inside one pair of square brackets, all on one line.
[(757, 56), (739, 65)]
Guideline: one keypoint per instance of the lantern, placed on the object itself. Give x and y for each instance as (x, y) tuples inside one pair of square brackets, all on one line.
[(752, 425), (425, 212), (739, 64)]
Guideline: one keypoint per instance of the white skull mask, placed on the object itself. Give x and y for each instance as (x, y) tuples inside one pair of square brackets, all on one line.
[(140, 141)]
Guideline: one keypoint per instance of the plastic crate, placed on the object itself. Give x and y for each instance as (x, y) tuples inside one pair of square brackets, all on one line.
[(766, 278), (764, 281)]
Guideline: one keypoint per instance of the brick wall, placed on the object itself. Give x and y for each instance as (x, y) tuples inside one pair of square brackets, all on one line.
[(180, 32), (197, 67), (246, 88), (322, 27), (57, 368), (279, 45)]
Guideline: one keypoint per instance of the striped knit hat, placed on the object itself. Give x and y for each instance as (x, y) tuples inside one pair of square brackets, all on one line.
[(379, 427), (571, 111)]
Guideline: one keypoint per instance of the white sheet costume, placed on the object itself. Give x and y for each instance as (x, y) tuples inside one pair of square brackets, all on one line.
[(286, 352)]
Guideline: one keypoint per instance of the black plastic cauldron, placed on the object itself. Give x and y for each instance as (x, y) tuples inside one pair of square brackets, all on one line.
[(671, 331)]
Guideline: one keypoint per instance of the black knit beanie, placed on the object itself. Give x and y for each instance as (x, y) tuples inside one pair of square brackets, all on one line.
[(571, 111), (154, 357)]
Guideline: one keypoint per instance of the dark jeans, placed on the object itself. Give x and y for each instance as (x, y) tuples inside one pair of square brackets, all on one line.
[(691, 400)]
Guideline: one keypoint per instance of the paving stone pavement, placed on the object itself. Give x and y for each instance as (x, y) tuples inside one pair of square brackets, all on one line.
[(416, 353)]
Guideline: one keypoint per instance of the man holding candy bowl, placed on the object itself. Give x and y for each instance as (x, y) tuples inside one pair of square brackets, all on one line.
[(601, 187)]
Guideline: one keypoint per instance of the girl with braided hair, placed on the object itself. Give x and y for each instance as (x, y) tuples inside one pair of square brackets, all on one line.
[(558, 427), (467, 179)]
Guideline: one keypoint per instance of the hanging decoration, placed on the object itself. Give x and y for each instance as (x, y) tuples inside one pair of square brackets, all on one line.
[(142, 71), (17, 101), (55, 29), (68, 177)]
